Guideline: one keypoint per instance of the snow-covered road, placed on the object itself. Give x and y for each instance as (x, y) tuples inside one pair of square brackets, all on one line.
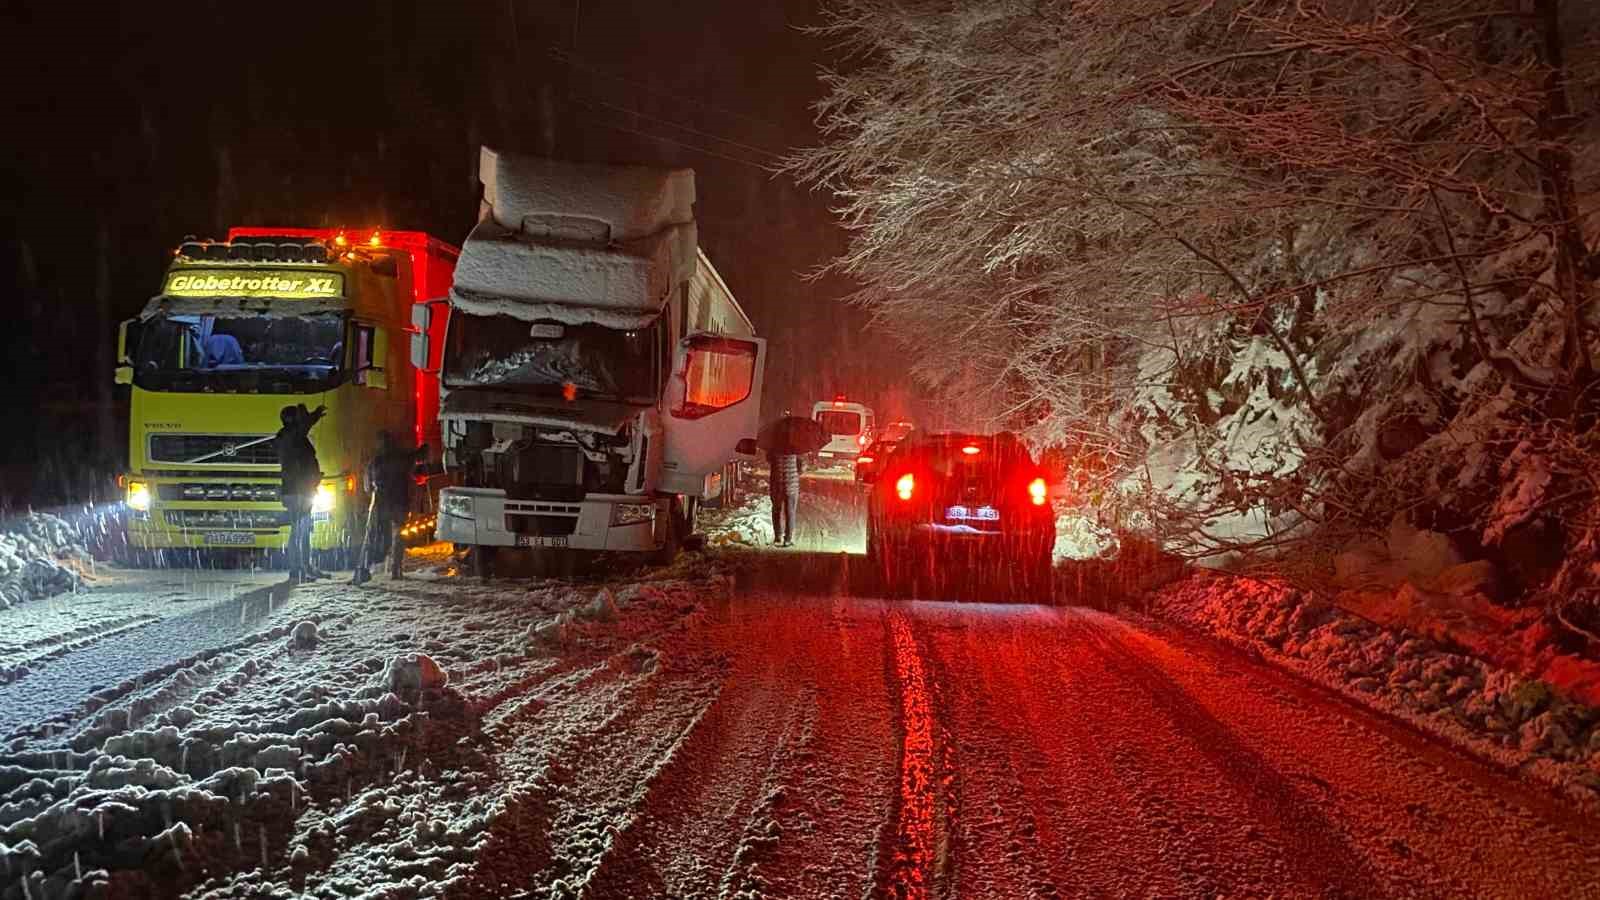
[(703, 735)]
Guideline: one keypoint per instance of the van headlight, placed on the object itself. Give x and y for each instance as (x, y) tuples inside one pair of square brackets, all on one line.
[(632, 513), (138, 496), (323, 501), (458, 505)]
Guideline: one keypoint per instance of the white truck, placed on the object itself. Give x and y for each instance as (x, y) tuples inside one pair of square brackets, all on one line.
[(598, 379)]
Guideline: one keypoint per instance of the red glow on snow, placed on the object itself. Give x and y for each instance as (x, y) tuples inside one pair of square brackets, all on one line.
[(914, 857)]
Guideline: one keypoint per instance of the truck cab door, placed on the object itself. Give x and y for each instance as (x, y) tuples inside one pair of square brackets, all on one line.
[(713, 402)]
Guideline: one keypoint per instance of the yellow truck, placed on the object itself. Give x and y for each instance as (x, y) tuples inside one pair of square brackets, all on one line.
[(244, 327)]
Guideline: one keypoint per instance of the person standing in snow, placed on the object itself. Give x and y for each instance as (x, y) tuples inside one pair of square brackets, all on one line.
[(389, 478), (784, 488), (298, 461)]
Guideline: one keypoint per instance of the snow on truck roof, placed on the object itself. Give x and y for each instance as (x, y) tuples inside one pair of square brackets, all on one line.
[(577, 243), (630, 202)]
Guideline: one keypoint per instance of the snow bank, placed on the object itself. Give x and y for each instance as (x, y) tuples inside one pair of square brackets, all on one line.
[(35, 553), (1493, 712), (1080, 537), (748, 524)]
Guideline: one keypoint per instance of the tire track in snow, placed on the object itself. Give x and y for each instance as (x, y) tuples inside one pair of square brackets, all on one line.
[(995, 826), (911, 869), (680, 840), (58, 645), (144, 653)]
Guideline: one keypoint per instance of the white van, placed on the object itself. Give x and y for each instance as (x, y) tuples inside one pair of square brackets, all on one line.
[(849, 424)]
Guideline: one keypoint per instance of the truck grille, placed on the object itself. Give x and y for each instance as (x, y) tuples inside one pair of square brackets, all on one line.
[(547, 519), (231, 519), (544, 472), (228, 449), (210, 490)]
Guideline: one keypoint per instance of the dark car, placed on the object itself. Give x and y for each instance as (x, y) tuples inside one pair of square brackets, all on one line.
[(944, 502), (873, 457)]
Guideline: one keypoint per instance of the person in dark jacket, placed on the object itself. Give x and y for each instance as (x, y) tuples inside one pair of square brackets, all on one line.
[(784, 488), (298, 460), (389, 478)]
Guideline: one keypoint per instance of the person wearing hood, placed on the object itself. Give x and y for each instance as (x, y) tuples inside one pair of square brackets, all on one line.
[(298, 460), (389, 477)]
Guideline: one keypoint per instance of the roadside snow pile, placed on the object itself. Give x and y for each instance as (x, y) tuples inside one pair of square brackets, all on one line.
[(34, 552), (1493, 712), (749, 523), (1080, 537)]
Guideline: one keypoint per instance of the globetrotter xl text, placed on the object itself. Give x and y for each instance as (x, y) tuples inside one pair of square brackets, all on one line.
[(253, 284)]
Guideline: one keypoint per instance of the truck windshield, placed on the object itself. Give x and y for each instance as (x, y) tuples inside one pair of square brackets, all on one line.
[(244, 354), (544, 358)]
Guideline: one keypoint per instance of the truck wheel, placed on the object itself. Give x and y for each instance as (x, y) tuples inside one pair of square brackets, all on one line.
[(482, 561), (676, 530)]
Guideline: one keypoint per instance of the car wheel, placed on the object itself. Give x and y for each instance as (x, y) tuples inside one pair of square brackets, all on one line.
[(1038, 580)]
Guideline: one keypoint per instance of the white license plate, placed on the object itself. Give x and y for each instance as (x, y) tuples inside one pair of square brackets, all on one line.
[(230, 538), (541, 540), (975, 513), (825, 454)]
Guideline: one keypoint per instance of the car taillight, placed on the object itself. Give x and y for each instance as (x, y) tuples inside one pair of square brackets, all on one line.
[(1038, 491), (905, 486)]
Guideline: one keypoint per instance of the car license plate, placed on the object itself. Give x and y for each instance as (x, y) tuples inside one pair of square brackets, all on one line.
[(973, 513), (541, 540), (230, 538)]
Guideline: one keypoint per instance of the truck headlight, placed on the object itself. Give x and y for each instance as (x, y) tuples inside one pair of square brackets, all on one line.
[(138, 496), (323, 501), (458, 505), (632, 513)]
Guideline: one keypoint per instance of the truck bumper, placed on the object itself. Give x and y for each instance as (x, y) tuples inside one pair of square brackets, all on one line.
[(486, 517), (153, 532), (225, 524)]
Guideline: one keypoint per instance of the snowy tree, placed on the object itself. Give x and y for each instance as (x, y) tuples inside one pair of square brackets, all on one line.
[(1242, 243)]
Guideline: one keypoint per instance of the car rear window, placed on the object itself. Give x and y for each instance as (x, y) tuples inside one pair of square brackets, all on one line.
[(946, 457), (836, 421)]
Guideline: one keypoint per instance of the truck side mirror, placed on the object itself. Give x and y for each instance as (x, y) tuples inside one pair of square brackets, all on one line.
[(422, 315), (419, 351), (122, 341), (124, 374)]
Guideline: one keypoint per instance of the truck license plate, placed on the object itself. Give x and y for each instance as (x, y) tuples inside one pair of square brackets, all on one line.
[(541, 540), (230, 538)]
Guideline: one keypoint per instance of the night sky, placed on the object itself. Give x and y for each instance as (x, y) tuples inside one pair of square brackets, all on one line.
[(138, 124)]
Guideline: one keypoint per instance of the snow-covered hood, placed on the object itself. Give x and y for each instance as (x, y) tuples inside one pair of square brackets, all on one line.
[(603, 416)]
